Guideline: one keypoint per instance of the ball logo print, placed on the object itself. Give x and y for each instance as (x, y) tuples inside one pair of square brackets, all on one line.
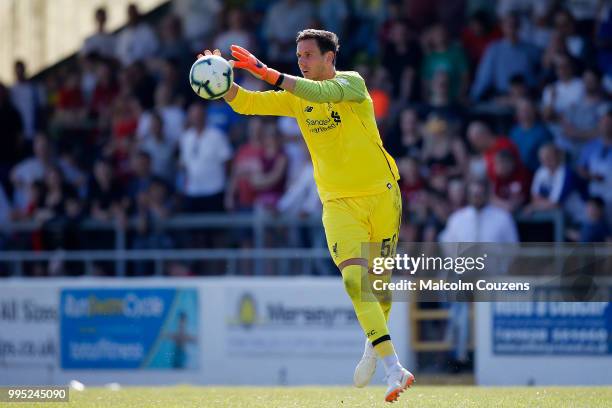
[(211, 77)]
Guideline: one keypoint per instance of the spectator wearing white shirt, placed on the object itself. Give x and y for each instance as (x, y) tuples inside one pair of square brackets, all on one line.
[(172, 115), (30, 170), (235, 33), (102, 42), (561, 95), (137, 41), (204, 153), (553, 182), (27, 97), (478, 222), (160, 148)]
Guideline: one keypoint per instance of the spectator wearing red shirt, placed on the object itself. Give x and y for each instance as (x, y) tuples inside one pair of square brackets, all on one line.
[(488, 145), (270, 181), (478, 34), (511, 181), (240, 193)]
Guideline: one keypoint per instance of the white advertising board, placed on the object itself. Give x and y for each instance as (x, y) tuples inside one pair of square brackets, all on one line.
[(252, 331)]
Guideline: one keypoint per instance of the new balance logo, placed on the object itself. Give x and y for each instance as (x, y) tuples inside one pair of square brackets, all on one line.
[(336, 117), (335, 249), (308, 109), (371, 333)]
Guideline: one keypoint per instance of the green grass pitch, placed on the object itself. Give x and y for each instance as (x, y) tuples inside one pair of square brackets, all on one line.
[(323, 397)]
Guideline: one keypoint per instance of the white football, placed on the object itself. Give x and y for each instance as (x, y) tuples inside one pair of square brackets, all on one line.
[(211, 77)]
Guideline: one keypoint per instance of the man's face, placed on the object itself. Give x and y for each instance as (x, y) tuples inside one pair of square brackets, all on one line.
[(477, 195), (312, 63)]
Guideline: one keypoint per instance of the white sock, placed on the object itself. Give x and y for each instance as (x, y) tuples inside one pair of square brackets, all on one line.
[(391, 363)]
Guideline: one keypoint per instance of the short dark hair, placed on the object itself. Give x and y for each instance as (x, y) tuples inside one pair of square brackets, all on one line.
[(597, 201), (326, 40)]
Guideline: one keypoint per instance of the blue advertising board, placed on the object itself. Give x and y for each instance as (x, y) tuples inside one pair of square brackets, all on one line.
[(552, 328), (129, 328)]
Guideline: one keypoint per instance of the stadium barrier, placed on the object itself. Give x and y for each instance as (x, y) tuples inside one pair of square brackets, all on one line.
[(257, 225)]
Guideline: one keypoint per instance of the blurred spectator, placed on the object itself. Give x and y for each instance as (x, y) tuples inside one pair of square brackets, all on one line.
[(478, 222), (235, 32), (28, 98), (380, 92), (443, 151), (152, 205), (579, 123), (104, 93), (412, 187), (56, 193), (282, 22), (561, 95), (478, 34), (10, 136), (603, 39), (200, 18), (333, 15), (555, 47), (104, 193), (553, 181), (240, 194), (402, 57), (124, 122), (596, 163), (70, 109), (518, 90), (440, 103), (138, 82), (160, 148), (204, 153), (137, 41), (535, 27), (502, 60), (442, 55), (170, 114), (511, 181), (301, 200), (88, 64), (71, 169), (270, 180), (141, 176), (594, 228), (6, 211), (173, 45), (102, 42), (487, 145), (30, 170), (302, 197), (437, 205), (529, 134), (574, 42), (294, 146), (407, 139)]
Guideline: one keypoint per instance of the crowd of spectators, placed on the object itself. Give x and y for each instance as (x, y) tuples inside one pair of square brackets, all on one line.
[(512, 92)]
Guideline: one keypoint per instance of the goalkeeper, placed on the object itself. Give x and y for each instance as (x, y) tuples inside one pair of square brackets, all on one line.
[(355, 176)]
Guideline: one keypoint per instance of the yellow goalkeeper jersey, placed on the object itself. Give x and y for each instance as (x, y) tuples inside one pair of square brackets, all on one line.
[(336, 118)]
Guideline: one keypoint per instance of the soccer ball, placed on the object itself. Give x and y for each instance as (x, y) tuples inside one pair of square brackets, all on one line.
[(211, 77)]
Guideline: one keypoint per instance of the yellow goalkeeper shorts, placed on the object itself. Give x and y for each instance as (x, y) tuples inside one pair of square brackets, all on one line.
[(353, 224)]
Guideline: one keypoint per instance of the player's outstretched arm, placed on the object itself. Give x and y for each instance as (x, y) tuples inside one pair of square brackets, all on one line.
[(254, 102), (334, 90)]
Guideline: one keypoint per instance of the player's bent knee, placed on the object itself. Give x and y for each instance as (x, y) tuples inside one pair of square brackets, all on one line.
[(351, 285), (351, 277)]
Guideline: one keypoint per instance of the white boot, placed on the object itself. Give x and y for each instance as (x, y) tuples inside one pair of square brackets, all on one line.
[(366, 367)]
